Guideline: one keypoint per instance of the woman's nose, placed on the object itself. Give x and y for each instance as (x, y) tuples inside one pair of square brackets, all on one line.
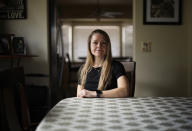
[(99, 44)]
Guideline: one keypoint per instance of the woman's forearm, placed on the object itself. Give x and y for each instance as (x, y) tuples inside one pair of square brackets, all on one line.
[(121, 91), (79, 88), (115, 93)]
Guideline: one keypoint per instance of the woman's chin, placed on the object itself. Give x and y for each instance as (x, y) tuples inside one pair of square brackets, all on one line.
[(99, 55)]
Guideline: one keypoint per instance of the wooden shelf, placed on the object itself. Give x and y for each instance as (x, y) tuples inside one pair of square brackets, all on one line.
[(17, 56)]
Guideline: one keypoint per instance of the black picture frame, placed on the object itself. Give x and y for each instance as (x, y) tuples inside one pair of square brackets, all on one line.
[(6, 44), (18, 46), (162, 12), (13, 9)]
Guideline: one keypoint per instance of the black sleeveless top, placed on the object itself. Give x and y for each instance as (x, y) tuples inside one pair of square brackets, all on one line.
[(93, 76)]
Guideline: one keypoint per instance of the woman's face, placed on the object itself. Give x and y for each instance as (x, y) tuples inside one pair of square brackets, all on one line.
[(98, 45)]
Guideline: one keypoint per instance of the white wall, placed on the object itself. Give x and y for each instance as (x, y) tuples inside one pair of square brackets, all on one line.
[(34, 30), (166, 71)]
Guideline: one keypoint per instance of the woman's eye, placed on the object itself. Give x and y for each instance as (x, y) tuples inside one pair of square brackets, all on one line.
[(103, 43)]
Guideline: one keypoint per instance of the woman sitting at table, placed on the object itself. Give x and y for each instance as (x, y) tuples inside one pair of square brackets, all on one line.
[(100, 76)]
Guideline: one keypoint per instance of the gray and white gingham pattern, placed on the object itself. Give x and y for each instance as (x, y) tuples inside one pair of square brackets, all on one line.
[(120, 114)]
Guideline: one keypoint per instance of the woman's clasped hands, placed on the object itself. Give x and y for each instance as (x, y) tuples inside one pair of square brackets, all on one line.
[(86, 93)]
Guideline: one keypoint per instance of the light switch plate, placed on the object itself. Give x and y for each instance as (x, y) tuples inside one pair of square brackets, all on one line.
[(146, 46)]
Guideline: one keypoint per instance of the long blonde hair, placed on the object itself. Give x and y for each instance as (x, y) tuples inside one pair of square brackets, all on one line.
[(106, 67)]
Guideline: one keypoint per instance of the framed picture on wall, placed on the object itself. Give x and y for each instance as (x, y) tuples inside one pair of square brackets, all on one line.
[(19, 47), (6, 44), (162, 12)]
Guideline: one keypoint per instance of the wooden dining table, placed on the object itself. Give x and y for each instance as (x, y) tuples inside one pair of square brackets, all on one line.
[(120, 114)]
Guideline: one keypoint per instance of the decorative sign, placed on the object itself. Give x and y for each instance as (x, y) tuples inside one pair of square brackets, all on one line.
[(13, 9)]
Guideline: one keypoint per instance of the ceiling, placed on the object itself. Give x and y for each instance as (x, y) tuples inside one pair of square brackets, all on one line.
[(95, 8)]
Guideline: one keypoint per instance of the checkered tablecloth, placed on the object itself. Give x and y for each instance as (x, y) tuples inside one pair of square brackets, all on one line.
[(120, 114)]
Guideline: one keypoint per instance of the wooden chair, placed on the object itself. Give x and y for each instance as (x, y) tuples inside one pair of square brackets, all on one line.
[(15, 100), (130, 68), (71, 66), (69, 79), (72, 70)]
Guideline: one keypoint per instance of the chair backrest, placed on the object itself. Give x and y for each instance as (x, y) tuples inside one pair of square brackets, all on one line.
[(9, 110), (130, 68), (13, 84), (68, 60), (71, 65), (65, 78), (24, 108)]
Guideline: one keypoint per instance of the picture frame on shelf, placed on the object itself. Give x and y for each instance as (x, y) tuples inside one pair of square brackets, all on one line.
[(161, 12), (6, 44), (18, 46)]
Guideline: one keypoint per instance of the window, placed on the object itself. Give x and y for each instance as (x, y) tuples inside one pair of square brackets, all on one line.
[(75, 39)]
